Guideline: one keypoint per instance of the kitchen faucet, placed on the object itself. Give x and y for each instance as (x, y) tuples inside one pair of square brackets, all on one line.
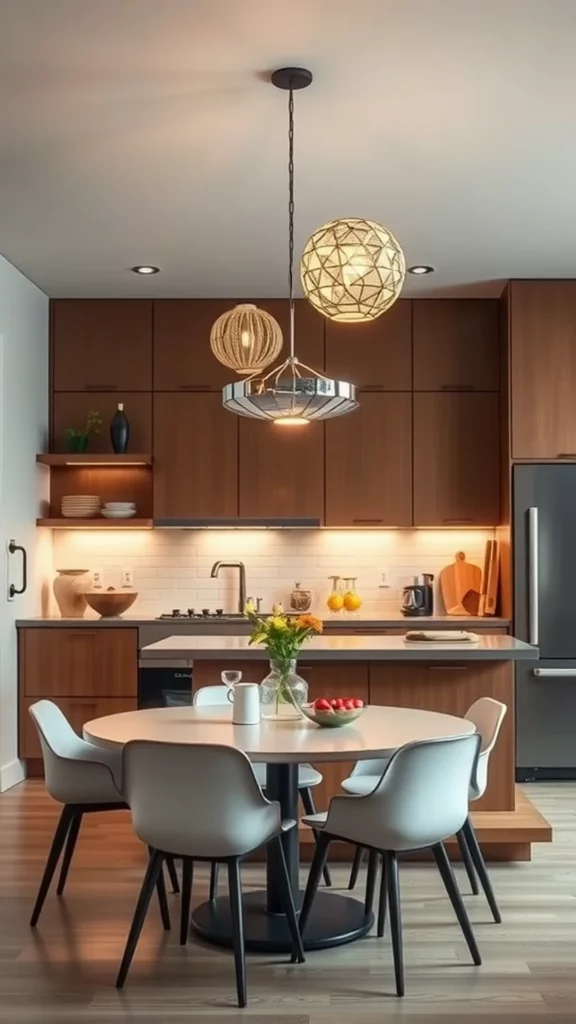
[(242, 580)]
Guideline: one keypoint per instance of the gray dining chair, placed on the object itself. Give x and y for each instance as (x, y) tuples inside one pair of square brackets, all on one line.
[(212, 696), (420, 800), (83, 778), (487, 715), (225, 817)]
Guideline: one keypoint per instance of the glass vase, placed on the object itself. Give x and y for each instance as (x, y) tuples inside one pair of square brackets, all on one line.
[(283, 691)]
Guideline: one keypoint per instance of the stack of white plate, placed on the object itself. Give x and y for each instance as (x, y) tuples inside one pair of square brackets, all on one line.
[(119, 509), (80, 506)]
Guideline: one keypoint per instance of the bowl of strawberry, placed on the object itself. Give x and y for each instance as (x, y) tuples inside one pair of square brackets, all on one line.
[(332, 712)]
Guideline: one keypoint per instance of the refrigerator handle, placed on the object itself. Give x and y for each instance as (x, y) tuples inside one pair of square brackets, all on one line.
[(533, 576), (554, 673)]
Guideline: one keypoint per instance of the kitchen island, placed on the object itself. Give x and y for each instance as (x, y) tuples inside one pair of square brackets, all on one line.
[(388, 671)]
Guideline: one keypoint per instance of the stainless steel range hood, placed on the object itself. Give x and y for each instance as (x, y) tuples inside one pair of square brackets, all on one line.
[(241, 523)]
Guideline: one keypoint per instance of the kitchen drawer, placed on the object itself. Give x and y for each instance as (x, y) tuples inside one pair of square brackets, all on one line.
[(79, 662), (78, 711)]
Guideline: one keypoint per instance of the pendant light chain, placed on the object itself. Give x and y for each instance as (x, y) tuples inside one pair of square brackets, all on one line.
[(291, 215)]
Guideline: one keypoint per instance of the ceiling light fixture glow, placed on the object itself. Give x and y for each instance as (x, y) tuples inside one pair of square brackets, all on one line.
[(420, 269), (145, 270), (291, 393)]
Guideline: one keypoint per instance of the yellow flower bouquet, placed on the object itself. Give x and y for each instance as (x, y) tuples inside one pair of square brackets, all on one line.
[(283, 690)]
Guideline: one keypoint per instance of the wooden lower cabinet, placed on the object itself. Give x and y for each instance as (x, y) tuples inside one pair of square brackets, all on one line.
[(78, 711), (78, 662), (333, 680), (452, 688)]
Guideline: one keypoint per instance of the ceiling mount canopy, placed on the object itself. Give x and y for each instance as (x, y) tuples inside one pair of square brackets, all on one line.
[(290, 394)]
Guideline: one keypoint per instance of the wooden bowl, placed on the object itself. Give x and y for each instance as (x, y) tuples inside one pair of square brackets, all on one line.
[(110, 604), (331, 719)]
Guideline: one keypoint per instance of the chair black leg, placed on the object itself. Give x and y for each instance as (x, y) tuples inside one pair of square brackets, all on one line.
[(373, 861), (162, 898), (318, 862), (356, 865), (393, 888), (310, 808), (214, 880), (456, 900), (288, 900), (187, 877), (382, 901), (173, 875), (235, 887), (481, 869), (153, 873), (69, 850), (53, 858), (467, 861)]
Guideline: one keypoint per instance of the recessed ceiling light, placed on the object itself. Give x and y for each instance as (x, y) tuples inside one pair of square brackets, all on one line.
[(421, 270), (145, 270)]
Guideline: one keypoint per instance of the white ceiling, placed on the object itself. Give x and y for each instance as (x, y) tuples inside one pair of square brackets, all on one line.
[(145, 131)]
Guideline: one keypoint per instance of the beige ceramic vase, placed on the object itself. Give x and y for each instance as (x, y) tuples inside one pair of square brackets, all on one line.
[(69, 588)]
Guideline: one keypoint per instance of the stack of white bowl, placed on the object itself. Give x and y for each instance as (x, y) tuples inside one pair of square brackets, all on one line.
[(80, 506), (119, 509)]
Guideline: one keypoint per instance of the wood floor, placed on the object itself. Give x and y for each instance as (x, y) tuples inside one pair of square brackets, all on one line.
[(65, 970)]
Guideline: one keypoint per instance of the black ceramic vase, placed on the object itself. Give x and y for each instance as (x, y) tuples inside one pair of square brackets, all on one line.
[(119, 430)]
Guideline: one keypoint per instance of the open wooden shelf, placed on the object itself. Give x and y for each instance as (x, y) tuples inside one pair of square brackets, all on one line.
[(61, 523), (94, 460)]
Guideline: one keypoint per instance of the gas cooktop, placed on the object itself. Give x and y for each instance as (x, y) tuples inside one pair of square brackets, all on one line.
[(205, 613)]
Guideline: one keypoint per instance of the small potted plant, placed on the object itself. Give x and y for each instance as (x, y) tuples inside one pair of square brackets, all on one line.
[(283, 690), (78, 439)]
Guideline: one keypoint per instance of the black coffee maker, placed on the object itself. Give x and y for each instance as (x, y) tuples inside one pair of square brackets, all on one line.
[(418, 598)]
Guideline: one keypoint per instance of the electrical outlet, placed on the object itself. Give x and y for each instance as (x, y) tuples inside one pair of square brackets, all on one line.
[(97, 580), (127, 578)]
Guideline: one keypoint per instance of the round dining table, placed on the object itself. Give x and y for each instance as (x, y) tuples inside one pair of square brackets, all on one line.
[(282, 745)]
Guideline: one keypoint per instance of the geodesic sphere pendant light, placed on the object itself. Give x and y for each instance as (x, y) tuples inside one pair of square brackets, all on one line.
[(246, 338), (352, 270)]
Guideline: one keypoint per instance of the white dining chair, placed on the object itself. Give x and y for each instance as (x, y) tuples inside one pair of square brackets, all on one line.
[(420, 800), (487, 715), (83, 778), (212, 696), (224, 818)]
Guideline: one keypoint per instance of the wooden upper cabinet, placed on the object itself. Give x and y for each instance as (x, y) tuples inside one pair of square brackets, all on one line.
[(375, 355), (102, 344), (543, 368), (183, 359), (195, 456), (281, 470), (456, 345), (369, 463), (456, 459), (78, 662), (70, 409)]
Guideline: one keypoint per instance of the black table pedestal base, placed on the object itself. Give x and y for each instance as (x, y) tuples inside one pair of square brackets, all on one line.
[(334, 921)]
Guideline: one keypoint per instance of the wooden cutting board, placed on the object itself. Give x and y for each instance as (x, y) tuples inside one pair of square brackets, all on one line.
[(491, 594), (458, 581)]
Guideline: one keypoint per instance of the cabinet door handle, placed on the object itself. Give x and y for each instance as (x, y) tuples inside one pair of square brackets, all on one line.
[(368, 522), (447, 668), (457, 387), (566, 455), (456, 521), (13, 547), (101, 387), (83, 701), (194, 387), (81, 634)]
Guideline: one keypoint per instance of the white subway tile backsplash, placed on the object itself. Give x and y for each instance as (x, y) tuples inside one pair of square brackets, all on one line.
[(172, 568)]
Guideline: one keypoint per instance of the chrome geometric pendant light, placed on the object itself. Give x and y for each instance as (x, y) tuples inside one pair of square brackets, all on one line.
[(291, 393)]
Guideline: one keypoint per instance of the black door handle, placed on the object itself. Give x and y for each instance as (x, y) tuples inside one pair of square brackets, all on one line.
[(13, 547)]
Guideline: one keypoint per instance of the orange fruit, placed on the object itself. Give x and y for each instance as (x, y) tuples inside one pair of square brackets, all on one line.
[(352, 602), (335, 602)]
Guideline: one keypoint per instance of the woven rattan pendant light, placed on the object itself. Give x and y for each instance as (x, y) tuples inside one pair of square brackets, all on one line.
[(290, 394), (246, 339), (352, 270)]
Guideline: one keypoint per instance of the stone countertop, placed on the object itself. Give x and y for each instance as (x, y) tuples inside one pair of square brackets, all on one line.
[(344, 648), (389, 620)]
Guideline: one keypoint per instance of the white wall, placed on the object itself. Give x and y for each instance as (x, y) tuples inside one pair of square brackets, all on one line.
[(172, 567), (23, 485)]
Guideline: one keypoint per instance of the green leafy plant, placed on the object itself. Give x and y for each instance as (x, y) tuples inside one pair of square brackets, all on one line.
[(78, 439)]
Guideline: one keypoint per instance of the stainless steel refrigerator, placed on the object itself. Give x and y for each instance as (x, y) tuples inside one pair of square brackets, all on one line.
[(544, 545)]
